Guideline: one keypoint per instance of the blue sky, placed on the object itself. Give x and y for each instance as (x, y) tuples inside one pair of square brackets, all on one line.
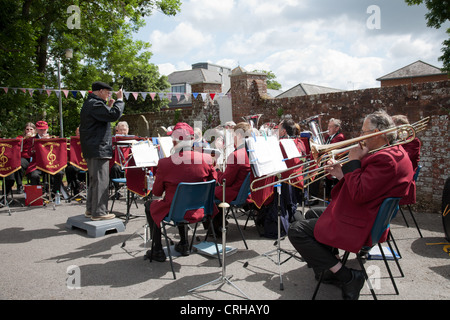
[(340, 44)]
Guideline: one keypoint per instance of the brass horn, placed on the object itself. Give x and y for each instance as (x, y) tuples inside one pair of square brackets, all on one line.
[(323, 153)]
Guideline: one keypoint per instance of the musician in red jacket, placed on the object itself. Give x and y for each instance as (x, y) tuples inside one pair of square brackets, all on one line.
[(334, 135), (413, 150), (364, 182), (184, 165)]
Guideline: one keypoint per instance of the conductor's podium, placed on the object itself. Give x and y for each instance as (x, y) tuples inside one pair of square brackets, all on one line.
[(95, 229)]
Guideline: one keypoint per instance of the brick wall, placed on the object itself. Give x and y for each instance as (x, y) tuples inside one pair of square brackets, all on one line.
[(414, 100)]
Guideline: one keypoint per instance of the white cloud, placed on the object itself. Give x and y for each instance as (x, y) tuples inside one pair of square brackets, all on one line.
[(319, 42), (182, 40)]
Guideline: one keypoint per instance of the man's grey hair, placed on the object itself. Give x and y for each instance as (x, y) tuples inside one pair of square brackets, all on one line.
[(382, 121)]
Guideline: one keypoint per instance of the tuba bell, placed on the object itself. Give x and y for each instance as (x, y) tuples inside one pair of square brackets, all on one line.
[(314, 125)]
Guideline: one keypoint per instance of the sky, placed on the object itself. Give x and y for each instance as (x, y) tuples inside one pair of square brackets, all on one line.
[(345, 44)]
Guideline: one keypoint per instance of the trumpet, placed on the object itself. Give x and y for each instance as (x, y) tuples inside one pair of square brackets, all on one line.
[(323, 153)]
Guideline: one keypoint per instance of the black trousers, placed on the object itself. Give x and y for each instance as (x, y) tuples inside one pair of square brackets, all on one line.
[(156, 230), (301, 234)]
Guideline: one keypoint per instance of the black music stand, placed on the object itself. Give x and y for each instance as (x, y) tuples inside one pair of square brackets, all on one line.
[(144, 158), (223, 277), (278, 250)]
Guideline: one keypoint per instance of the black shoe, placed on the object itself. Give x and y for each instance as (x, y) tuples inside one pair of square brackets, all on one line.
[(182, 248), (329, 278), (351, 289), (156, 255)]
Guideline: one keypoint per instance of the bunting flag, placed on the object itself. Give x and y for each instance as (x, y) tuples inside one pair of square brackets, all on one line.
[(135, 95)]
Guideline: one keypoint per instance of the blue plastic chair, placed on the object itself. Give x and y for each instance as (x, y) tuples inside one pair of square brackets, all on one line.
[(239, 202), (386, 213), (416, 176), (190, 196)]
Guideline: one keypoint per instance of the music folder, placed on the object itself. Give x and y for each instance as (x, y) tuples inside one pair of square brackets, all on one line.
[(145, 154), (265, 155)]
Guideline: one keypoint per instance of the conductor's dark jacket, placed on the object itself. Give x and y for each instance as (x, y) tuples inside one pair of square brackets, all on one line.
[(95, 126)]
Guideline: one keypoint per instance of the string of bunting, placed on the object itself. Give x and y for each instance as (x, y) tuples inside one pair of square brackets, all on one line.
[(127, 95)]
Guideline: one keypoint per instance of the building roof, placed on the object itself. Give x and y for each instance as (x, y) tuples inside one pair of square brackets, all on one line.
[(194, 76), (415, 69), (304, 89)]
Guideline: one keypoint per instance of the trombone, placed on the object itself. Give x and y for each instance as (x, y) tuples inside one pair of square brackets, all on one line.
[(323, 153)]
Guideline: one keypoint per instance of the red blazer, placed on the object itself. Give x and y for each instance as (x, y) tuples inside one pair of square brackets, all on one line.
[(413, 150), (187, 166), (296, 182), (337, 138), (237, 169), (347, 221)]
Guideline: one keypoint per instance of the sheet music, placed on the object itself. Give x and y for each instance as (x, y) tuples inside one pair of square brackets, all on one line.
[(145, 154), (265, 155), (290, 148), (166, 144)]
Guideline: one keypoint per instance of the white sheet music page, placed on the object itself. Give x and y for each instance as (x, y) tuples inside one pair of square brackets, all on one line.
[(145, 154), (166, 144), (265, 155), (290, 148)]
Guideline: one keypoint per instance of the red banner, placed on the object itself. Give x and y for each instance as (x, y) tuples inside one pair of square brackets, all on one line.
[(9, 156), (51, 154), (76, 155)]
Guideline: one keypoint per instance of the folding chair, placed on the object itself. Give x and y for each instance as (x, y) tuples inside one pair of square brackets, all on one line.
[(387, 211), (416, 175), (238, 203), (190, 196)]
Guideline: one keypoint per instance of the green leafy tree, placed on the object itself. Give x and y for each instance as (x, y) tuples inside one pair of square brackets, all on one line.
[(438, 14), (271, 82), (34, 35)]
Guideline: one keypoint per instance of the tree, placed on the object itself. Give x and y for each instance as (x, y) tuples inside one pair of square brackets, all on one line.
[(439, 13), (271, 82), (34, 35)]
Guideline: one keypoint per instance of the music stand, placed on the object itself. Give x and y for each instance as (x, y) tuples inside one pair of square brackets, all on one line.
[(253, 155), (40, 161), (223, 277), (9, 164), (77, 160), (144, 155)]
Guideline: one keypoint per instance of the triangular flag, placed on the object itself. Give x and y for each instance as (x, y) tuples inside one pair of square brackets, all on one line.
[(161, 96), (15, 90), (126, 94), (135, 95), (23, 90), (6, 90), (144, 94), (74, 93), (40, 91), (178, 95), (152, 95), (83, 92), (57, 92), (212, 95), (30, 91), (169, 96), (203, 96), (49, 92), (66, 92), (195, 94)]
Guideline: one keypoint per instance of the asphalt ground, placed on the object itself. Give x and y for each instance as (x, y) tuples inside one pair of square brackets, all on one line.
[(43, 259)]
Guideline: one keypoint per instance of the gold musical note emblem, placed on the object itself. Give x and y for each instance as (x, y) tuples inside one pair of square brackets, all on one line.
[(3, 159), (51, 157)]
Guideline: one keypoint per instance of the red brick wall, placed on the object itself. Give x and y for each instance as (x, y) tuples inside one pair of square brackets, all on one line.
[(416, 101)]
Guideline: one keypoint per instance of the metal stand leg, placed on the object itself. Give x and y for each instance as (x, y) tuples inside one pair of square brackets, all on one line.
[(223, 278), (278, 243)]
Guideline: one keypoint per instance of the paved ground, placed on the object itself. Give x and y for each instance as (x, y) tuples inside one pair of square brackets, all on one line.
[(41, 259)]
